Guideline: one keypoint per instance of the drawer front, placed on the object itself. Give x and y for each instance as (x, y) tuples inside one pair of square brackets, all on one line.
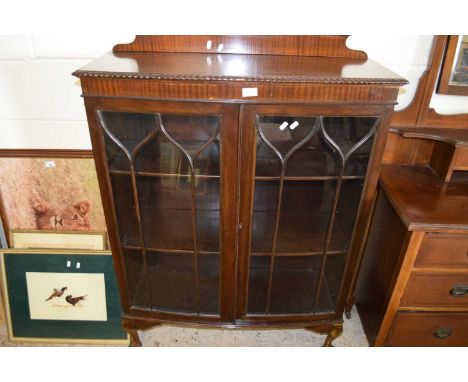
[(429, 329), (443, 250), (437, 290)]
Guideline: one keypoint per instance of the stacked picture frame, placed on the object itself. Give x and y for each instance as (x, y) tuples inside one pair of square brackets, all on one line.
[(57, 279)]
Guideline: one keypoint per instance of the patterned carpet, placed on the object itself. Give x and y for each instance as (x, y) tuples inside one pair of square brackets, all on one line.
[(166, 335)]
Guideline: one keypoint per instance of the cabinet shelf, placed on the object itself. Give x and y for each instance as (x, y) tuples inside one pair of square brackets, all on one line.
[(166, 250), (306, 178), (293, 254), (160, 174), (261, 178)]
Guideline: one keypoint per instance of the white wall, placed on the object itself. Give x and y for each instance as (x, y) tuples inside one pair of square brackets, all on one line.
[(41, 107)]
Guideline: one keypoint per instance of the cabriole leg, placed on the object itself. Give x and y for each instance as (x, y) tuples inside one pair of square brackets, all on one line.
[(336, 331), (132, 326), (332, 330)]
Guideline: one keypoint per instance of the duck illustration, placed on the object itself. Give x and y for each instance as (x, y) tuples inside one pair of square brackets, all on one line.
[(57, 293), (74, 300)]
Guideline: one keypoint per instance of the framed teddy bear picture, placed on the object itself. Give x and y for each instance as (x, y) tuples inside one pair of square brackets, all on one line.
[(49, 197)]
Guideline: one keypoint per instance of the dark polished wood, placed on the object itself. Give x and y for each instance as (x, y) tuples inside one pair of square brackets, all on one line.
[(332, 330), (319, 46), (132, 326), (454, 137), (445, 150), (244, 68), (193, 265), (377, 273), (423, 200), (416, 277)]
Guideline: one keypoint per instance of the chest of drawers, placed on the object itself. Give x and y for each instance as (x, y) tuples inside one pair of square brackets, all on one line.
[(413, 284)]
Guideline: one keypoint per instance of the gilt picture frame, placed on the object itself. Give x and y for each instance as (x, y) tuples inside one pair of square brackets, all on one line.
[(39, 309), (49, 190), (67, 240)]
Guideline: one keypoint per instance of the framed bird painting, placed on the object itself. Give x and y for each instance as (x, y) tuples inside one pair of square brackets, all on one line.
[(61, 297)]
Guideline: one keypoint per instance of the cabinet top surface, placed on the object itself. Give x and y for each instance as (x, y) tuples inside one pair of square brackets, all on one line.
[(238, 67), (423, 201)]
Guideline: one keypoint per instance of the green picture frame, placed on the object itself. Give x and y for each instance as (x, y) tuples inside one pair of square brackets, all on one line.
[(18, 265)]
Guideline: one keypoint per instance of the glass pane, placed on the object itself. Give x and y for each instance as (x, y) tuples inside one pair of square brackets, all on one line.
[(165, 175), (346, 133), (308, 184), (331, 283), (133, 262), (259, 271), (293, 285), (459, 73)]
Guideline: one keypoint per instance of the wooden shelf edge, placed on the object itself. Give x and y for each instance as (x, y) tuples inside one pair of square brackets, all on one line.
[(455, 137)]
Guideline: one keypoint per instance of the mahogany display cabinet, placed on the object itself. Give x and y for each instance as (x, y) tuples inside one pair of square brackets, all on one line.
[(237, 175)]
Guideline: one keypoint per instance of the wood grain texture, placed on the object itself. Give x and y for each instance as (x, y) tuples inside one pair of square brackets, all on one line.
[(409, 253), (245, 68), (443, 250), (420, 329), (461, 161), (232, 91), (432, 289), (380, 264), (45, 153), (328, 46), (454, 137), (442, 160), (423, 200)]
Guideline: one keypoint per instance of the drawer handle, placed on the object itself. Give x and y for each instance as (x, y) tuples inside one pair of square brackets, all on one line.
[(442, 333), (459, 290)]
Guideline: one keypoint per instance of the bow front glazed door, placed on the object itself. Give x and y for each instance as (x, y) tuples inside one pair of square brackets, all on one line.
[(171, 169), (228, 219), (304, 172)]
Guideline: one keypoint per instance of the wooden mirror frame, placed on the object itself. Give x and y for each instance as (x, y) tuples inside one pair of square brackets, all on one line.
[(444, 86), (419, 113)]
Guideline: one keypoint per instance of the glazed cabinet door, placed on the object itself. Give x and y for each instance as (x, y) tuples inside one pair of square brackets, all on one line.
[(168, 170), (305, 172)]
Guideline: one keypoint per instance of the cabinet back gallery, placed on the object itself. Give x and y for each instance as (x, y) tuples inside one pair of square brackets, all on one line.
[(237, 175)]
